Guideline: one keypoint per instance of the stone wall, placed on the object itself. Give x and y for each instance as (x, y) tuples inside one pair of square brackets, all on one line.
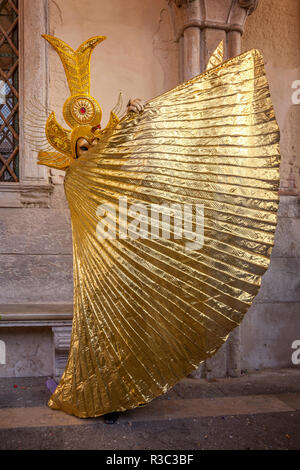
[(273, 322), (141, 58), (274, 29)]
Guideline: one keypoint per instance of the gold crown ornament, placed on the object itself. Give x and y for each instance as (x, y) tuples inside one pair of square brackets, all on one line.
[(81, 111)]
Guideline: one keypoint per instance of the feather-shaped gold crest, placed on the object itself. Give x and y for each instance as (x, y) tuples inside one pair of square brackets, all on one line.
[(76, 63)]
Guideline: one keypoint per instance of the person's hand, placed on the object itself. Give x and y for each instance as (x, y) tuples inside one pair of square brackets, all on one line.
[(136, 105)]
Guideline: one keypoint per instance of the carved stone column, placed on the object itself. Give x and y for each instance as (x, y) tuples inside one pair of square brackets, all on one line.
[(61, 341), (199, 26)]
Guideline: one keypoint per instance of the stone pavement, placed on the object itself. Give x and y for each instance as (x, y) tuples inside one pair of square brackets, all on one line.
[(260, 410)]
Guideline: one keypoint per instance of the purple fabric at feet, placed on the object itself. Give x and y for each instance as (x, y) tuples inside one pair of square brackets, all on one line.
[(51, 385)]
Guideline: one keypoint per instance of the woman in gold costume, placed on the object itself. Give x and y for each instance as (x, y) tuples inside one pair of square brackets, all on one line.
[(148, 310)]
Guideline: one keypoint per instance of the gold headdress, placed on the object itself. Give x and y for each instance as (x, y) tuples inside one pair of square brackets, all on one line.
[(81, 111)]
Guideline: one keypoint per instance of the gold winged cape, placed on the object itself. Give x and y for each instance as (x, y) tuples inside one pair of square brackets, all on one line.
[(148, 311)]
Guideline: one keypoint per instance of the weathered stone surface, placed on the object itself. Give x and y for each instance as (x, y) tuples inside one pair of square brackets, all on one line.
[(281, 282), (267, 333), (289, 207), (28, 352), (216, 366), (234, 353), (24, 194), (166, 51), (290, 145), (217, 11), (35, 231), (34, 86), (276, 35), (287, 240), (36, 278)]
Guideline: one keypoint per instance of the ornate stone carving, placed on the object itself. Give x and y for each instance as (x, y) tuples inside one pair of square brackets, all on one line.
[(199, 26), (61, 337), (250, 5), (179, 3)]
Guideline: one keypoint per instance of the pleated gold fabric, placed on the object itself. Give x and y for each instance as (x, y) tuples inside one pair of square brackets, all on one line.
[(148, 311)]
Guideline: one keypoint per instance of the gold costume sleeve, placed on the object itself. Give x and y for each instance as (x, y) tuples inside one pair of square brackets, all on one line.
[(148, 311)]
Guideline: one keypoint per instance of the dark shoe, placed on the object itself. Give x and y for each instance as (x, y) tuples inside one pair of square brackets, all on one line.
[(111, 418)]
